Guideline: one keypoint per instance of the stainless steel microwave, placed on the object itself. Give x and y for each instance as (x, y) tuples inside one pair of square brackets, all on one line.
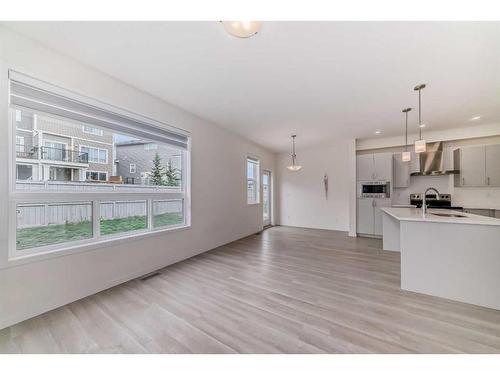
[(374, 189)]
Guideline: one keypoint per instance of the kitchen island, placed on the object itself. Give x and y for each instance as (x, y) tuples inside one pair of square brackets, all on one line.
[(447, 253)]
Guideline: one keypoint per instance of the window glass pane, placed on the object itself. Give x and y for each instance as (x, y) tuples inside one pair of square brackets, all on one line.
[(122, 216), (252, 181), (169, 212), (24, 172), (250, 169), (54, 223), (61, 151), (92, 130)]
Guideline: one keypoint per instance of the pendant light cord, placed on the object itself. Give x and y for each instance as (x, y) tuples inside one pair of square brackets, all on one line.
[(406, 131), (419, 115)]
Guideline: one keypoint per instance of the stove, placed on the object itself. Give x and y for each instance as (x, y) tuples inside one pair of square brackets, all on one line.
[(444, 201)]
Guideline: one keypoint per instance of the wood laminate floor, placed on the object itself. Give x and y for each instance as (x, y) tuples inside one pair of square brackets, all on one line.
[(289, 290)]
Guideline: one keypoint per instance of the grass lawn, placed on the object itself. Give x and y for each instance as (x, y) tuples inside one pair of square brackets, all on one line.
[(167, 219), (58, 233)]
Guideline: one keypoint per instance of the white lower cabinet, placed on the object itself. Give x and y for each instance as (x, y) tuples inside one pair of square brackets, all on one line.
[(369, 215), (377, 214), (365, 217)]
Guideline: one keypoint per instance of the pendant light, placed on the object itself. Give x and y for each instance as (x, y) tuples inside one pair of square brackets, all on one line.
[(406, 155), (294, 167), (420, 145)]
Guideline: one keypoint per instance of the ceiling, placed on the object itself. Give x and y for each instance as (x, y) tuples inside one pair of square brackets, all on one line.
[(320, 80)]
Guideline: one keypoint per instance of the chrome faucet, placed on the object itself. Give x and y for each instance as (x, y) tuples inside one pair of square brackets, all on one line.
[(424, 203)]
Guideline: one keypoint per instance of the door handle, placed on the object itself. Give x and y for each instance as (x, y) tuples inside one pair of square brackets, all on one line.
[(463, 181), (487, 181)]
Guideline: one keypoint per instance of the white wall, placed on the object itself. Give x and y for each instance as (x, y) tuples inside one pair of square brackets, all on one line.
[(301, 194), (220, 213)]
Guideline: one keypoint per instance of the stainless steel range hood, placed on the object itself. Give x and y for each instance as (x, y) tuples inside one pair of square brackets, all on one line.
[(431, 162)]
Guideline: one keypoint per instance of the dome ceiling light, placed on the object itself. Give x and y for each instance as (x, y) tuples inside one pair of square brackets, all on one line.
[(242, 29)]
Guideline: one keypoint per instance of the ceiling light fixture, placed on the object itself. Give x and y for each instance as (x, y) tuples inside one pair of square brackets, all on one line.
[(294, 167), (242, 29), (406, 155), (475, 118), (422, 126), (377, 132), (420, 145)]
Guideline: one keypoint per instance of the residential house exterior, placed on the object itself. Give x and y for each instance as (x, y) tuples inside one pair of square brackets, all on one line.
[(52, 149), (134, 160)]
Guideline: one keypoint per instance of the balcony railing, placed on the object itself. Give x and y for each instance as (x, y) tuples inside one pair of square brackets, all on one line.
[(59, 154), (26, 152), (51, 153)]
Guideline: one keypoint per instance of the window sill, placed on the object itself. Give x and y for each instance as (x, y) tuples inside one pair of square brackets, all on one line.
[(102, 243)]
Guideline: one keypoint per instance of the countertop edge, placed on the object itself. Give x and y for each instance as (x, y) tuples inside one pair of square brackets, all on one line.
[(471, 219)]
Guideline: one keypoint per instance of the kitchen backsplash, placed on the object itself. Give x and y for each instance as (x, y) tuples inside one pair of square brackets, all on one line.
[(464, 197)]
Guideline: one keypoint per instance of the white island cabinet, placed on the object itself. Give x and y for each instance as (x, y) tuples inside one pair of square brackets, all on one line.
[(455, 257)]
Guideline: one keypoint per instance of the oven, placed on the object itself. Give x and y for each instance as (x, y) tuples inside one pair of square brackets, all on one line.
[(374, 189)]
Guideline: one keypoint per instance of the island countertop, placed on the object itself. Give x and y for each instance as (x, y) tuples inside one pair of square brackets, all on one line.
[(415, 214)]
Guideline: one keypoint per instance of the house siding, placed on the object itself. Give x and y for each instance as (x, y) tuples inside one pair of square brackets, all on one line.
[(137, 154)]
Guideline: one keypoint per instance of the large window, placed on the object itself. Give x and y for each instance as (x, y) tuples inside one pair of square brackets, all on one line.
[(96, 176), (253, 181), (70, 188), (95, 155)]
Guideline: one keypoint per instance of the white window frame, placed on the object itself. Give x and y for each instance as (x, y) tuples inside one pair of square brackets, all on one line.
[(98, 151), (132, 168), (92, 171), (256, 179), (19, 143), (33, 166), (13, 257), (94, 131)]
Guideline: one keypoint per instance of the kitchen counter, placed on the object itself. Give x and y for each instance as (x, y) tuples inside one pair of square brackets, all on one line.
[(415, 214), (451, 257)]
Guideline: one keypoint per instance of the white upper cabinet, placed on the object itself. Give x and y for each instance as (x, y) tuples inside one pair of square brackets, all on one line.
[(472, 162), (373, 167), (492, 156), (414, 162), (364, 167), (383, 166), (401, 172), (448, 158)]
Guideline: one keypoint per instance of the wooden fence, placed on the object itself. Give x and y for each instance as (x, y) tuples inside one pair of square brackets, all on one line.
[(39, 214)]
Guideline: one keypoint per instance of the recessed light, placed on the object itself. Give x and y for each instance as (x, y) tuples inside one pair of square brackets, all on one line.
[(475, 118), (378, 132), (423, 126)]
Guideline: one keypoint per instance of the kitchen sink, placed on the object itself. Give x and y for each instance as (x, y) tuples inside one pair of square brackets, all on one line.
[(448, 215)]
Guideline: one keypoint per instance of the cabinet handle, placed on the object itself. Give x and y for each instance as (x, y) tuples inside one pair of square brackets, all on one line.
[(488, 181), (463, 181)]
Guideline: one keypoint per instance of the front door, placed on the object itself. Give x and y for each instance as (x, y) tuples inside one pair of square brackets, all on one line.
[(266, 195)]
